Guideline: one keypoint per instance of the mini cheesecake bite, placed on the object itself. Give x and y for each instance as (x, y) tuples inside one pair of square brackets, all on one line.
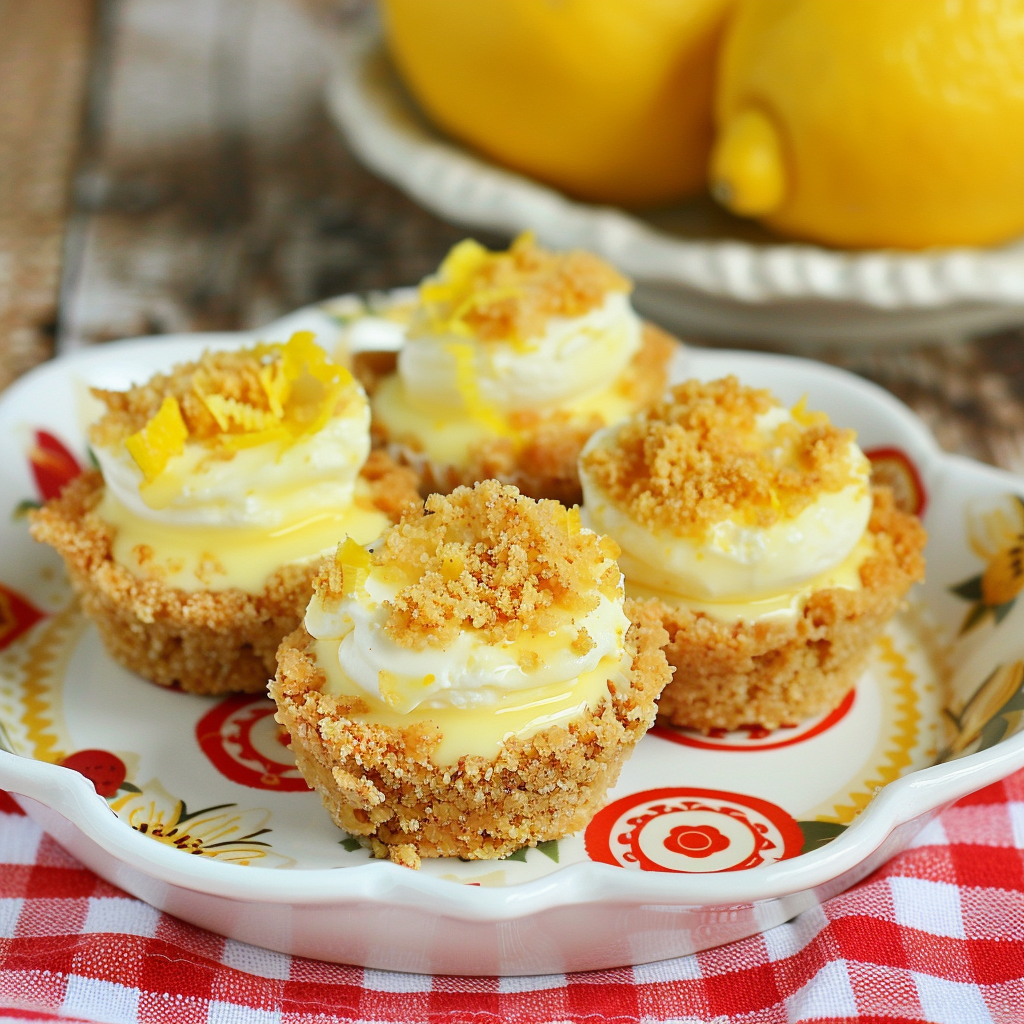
[(471, 684), (510, 361), (753, 531), (220, 486)]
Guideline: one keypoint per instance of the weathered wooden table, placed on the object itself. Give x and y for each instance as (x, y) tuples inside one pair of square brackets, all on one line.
[(170, 167)]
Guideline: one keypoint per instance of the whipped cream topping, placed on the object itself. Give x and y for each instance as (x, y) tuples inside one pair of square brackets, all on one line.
[(734, 561), (267, 485), (574, 357), (469, 673)]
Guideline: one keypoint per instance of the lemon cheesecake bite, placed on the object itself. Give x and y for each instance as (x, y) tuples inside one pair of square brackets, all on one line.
[(220, 486), (510, 361), (471, 684), (754, 532)]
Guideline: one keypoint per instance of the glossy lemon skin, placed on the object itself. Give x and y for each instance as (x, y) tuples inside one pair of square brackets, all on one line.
[(900, 122), (607, 100)]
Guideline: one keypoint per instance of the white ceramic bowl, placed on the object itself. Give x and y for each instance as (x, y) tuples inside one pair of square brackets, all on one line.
[(852, 788), (706, 287)]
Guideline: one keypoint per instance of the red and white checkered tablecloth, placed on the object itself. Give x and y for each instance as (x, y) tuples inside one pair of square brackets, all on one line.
[(935, 935)]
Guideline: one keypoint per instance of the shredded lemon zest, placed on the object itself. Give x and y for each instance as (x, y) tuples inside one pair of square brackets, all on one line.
[(275, 386), (303, 387), (452, 566), (464, 354), (159, 440), (229, 412), (292, 413), (453, 292), (456, 272), (277, 432), (804, 416), (354, 560)]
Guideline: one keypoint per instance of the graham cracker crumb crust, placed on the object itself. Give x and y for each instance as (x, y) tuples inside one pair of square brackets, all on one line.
[(204, 641), (378, 783), (774, 673)]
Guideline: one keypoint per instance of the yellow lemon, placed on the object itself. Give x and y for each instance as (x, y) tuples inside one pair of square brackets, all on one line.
[(874, 122), (608, 100)]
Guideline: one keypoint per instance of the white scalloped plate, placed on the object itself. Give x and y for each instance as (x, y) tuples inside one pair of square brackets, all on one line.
[(193, 804), (698, 281)]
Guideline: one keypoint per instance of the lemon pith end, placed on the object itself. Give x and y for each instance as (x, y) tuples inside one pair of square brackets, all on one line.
[(747, 171)]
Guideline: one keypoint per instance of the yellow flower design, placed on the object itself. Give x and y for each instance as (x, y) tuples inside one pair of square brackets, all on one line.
[(223, 831), (997, 538), (995, 710)]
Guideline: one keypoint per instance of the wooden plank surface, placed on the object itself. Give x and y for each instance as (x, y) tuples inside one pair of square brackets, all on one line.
[(221, 196), (44, 47)]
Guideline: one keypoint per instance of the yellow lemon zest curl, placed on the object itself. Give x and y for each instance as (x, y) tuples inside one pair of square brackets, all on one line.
[(464, 354), (159, 440), (460, 288), (354, 560), (302, 386)]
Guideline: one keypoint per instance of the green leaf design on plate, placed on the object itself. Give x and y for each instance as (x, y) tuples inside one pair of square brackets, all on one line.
[(549, 849), (969, 590), (22, 509), (973, 617), (1002, 610), (818, 833), (250, 839), (187, 815)]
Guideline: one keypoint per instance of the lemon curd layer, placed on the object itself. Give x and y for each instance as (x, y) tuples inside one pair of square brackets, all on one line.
[(242, 557), (783, 607), (445, 435), (480, 731)]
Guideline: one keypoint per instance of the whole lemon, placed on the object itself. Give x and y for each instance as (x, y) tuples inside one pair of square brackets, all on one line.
[(874, 122), (608, 100)]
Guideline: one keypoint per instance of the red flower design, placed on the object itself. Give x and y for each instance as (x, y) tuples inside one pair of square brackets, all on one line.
[(106, 771), (894, 468), (695, 840), (17, 616), (244, 744), (52, 465)]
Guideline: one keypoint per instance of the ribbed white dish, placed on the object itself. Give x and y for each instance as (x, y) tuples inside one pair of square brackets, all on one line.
[(713, 287)]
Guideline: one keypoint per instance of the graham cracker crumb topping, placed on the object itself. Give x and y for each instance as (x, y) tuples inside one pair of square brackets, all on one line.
[(485, 558), (233, 375), (698, 458), (509, 296), (246, 396)]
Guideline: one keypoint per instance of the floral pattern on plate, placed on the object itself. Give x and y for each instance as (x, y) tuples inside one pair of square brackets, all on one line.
[(996, 536), (223, 831)]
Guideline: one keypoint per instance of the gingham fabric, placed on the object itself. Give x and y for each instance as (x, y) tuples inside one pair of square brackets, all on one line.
[(935, 935)]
